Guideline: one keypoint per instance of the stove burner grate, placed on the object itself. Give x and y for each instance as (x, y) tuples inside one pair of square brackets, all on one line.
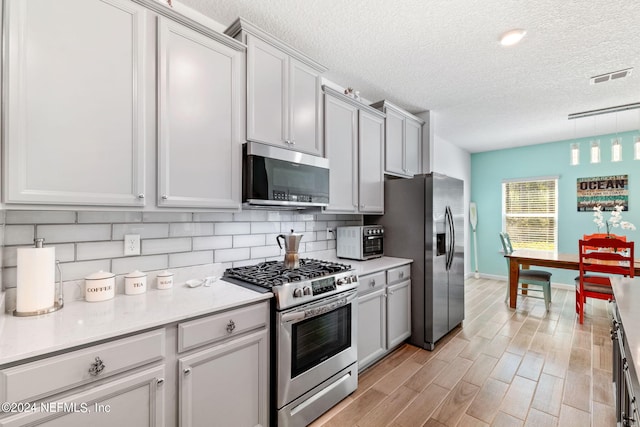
[(273, 273)]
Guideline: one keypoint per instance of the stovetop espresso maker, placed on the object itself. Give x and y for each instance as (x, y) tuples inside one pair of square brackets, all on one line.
[(291, 245)]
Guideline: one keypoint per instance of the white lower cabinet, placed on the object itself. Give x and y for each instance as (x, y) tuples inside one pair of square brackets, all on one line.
[(224, 380), (133, 400), (226, 385), (207, 371), (384, 313), (116, 383)]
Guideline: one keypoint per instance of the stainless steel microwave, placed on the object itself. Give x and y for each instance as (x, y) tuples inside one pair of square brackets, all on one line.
[(276, 177)]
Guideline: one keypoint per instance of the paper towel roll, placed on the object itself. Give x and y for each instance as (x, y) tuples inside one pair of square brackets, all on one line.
[(36, 279)]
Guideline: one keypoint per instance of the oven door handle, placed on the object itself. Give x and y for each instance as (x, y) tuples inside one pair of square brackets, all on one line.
[(295, 316)]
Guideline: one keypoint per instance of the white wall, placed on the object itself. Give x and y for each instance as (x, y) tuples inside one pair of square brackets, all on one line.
[(450, 160)]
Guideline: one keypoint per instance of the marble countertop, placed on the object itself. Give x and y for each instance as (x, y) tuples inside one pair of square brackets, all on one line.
[(627, 293), (79, 322)]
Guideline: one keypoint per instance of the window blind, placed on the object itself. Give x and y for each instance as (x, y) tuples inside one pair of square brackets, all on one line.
[(530, 213)]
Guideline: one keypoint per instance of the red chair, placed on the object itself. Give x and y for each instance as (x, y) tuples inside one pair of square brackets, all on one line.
[(602, 236), (604, 257)]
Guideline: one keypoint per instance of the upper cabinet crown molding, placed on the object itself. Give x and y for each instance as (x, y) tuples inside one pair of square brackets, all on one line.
[(241, 24), (384, 104), (166, 11), (363, 107)]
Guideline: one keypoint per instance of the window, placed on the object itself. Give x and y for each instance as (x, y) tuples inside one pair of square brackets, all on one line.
[(530, 213)]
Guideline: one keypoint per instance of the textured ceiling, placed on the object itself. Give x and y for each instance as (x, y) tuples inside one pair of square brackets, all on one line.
[(443, 56)]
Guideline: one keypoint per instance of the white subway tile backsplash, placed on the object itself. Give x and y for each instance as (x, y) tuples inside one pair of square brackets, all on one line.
[(40, 217), (108, 217), (227, 255), (89, 241), (316, 246), (250, 215), (99, 250), (186, 259), (80, 270), (191, 229), (146, 231), (212, 242), (74, 233), (246, 262), (212, 217), (227, 228), (141, 263), (163, 246), (316, 226), (167, 217), (63, 253), (248, 240), (266, 251), (19, 235), (298, 227), (265, 227)]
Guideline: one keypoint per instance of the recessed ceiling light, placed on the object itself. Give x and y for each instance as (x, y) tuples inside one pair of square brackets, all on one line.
[(512, 37)]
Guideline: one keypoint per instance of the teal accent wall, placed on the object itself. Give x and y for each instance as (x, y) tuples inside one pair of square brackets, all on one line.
[(489, 169)]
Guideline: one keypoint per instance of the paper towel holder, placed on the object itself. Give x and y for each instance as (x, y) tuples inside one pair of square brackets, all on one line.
[(57, 305)]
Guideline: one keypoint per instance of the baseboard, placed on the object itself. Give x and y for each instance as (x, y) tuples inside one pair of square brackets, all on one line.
[(565, 286)]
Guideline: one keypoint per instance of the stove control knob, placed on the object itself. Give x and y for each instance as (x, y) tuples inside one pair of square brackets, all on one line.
[(306, 290), (297, 293), (354, 279), (341, 282)]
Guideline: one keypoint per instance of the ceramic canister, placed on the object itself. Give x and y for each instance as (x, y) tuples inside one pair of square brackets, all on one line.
[(135, 283), (99, 286), (164, 280)]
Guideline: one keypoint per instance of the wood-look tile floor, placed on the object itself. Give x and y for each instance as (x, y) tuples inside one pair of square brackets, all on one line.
[(502, 367)]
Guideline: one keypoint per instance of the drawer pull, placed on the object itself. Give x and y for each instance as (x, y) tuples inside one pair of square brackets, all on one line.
[(187, 371), (401, 275), (231, 326), (372, 282), (97, 367), (159, 381)]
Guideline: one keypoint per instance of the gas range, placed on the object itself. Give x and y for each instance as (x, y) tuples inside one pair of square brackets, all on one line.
[(313, 280)]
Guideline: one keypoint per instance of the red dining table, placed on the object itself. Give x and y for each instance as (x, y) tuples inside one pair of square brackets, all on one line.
[(525, 258)]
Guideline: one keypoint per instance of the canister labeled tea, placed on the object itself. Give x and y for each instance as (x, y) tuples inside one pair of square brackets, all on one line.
[(135, 283)]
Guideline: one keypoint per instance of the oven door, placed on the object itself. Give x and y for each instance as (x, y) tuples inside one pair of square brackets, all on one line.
[(372, 247), (314, 342)]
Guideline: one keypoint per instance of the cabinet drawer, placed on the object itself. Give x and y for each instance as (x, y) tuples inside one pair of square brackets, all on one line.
[(371, 282), (399, 274), (44, 377), (213, 328)]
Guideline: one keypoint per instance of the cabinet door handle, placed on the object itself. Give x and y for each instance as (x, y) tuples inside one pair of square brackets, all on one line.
[(293, 142), (231, 326), (97, 367), (165, 197), (141, 196), (187, 371), (159, 381)]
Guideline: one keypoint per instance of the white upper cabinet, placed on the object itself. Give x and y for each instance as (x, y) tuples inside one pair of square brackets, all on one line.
[(354, 138), (341, 133), (284, 97), (74, 126), (371, 179), (200, 119), (403, 141)]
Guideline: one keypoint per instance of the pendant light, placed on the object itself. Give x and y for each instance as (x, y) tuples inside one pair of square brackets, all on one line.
[(636, 144), (595, 145), (616, 146), (575, 149)]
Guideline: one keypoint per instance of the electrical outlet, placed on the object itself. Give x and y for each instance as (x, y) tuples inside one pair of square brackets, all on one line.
[(132, 244), (330, 232)]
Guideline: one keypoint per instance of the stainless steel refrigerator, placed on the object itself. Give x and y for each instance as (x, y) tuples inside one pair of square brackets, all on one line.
[(424, 220)]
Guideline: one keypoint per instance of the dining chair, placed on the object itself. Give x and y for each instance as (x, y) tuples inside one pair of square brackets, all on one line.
[(539, 278), (600, 258), (601, 236)]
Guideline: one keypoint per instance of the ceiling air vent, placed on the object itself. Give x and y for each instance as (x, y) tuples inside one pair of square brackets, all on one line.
[(614, 75)]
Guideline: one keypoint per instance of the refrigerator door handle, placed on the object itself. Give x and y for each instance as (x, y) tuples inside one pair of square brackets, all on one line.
[(449, 217)]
